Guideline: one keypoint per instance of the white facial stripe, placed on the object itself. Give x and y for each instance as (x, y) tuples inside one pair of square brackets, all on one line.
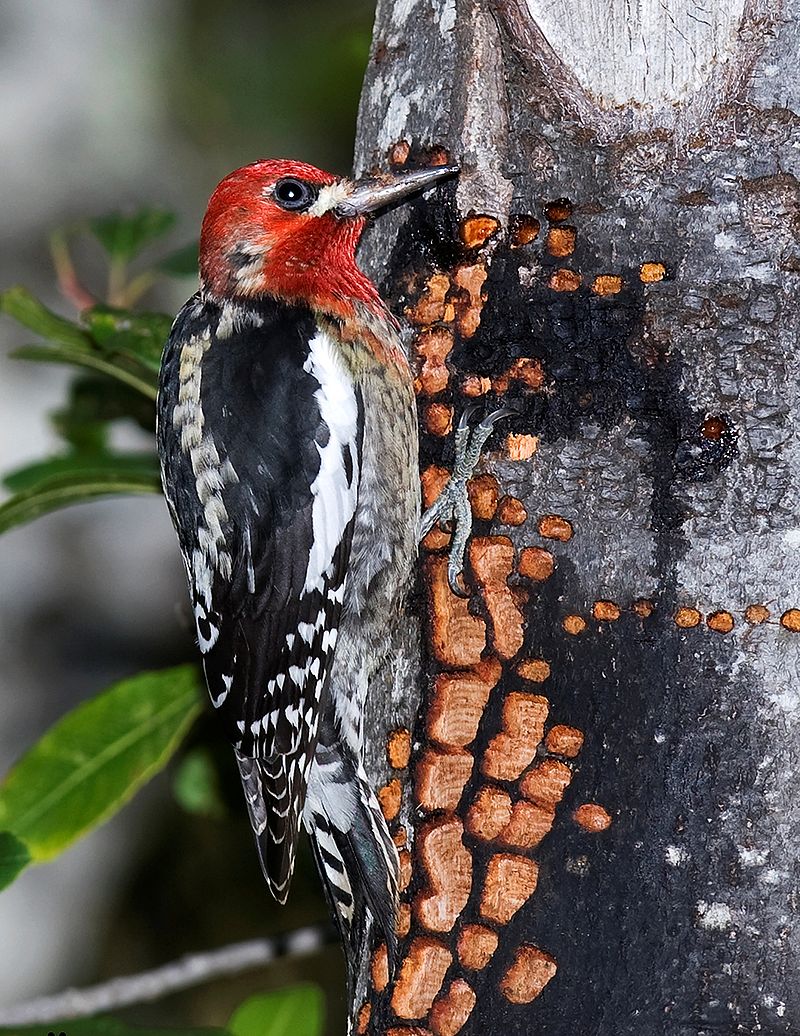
[(329, 197)]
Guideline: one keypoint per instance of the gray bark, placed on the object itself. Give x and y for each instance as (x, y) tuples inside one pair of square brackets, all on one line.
[(674, 135)]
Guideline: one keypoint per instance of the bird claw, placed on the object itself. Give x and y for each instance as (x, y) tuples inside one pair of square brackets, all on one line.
[(452, 505), (453, 575)]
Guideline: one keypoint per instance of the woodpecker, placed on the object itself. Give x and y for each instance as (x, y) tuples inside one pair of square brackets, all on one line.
[(287, 434)]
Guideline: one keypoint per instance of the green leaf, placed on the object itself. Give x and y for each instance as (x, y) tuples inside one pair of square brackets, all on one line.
[(139, 465), (123, 237), (59, 483), (82, 435), (138, 336), (123, 345), (14, 858), (102, 1027), (295, 1011), (29, 311), (87, 766), (183, 262), (93, 404), (196, 785), (141, 379)]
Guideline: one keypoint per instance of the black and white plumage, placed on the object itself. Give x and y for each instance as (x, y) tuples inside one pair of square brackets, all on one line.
[(260, 438), (287, 431)]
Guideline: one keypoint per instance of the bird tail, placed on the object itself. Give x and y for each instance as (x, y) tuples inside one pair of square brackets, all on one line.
[(356, 857), (274, 803)]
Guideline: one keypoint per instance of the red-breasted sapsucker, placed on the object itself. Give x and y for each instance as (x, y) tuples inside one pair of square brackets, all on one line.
[(288, 440)]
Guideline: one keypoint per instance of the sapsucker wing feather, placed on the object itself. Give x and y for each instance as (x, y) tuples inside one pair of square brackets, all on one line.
[(259, 433), (282, 663)]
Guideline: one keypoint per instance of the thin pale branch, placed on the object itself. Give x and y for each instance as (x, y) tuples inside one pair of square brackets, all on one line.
[(191, 970)]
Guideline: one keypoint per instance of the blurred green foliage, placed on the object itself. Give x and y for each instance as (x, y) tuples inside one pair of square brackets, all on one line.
[(299, 1010), (196, 784), (14, 858), (249, 74), (121, 348), (86, 767), (124, 237)]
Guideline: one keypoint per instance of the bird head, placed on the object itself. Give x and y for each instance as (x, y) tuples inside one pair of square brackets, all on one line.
[(289, 230)]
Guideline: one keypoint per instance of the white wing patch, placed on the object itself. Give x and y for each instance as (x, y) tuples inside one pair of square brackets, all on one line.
[(335, 495)]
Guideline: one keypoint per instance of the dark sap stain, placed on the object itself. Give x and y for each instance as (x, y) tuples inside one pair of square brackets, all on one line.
[(601, 366)]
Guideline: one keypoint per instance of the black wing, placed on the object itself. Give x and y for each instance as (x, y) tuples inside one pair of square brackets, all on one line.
[(259, 433)]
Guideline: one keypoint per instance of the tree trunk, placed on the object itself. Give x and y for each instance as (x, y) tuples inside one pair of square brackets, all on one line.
[(599, 817)]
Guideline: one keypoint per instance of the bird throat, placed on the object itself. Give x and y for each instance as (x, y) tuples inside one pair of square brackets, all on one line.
[(314, 264)]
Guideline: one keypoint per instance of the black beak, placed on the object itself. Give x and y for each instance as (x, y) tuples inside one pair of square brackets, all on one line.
[(371, 194)]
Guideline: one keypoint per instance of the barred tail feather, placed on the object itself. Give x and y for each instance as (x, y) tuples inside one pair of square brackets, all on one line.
[(358, 864), (273, 803)]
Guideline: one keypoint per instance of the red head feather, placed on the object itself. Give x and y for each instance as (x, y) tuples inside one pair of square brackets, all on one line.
[(251, 246)]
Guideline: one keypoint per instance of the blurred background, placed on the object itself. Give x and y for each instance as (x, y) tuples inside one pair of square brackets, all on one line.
[(108, 107)]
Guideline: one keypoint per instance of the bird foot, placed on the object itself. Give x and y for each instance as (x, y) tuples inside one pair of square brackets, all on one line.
[(452, 504)]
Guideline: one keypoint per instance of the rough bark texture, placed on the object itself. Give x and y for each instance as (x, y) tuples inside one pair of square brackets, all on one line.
[(599, 818)]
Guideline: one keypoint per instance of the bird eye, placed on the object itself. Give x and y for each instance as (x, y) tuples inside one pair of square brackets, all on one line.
[(294, 195)]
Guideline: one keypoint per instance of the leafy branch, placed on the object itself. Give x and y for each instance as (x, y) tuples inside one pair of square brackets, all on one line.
[(87, 766), (119, 348)]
